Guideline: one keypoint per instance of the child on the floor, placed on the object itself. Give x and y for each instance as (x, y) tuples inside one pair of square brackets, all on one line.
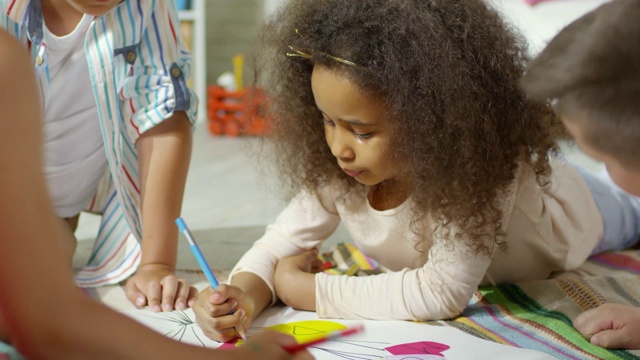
[(117, 132), (405, 121), (591, 70), (33, 268)]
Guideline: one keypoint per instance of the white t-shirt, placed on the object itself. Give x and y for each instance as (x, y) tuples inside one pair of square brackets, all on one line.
[(547, 230), (74, 155)]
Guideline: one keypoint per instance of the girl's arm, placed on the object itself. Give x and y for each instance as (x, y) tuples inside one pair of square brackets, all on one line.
[(303, 225), (45, 315), (440, 289)]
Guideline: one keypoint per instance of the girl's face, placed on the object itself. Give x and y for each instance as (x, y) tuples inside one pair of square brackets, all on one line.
[(354, 127), (627, 179), (93, 7)]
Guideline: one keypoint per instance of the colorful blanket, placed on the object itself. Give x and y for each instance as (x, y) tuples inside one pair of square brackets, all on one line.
[(535, 315)]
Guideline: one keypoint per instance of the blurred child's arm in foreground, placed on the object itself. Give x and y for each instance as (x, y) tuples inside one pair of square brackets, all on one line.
[(613, 326), (72, 326)]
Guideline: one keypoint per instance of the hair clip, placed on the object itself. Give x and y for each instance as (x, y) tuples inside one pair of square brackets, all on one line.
[(299, 53)]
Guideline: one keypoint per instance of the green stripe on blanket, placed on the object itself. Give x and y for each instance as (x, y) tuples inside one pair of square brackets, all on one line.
[(538, 315)]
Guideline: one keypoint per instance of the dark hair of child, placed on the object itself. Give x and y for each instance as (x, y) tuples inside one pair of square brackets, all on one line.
[(591, 71), (448, 74)]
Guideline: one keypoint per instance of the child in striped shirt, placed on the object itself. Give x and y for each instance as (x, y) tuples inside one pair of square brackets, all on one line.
[(117, 132)]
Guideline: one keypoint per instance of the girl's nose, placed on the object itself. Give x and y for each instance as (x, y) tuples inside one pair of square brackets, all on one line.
[(340, 146)]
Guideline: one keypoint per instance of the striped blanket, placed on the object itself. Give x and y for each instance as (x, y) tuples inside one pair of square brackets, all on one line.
[(538, 314)]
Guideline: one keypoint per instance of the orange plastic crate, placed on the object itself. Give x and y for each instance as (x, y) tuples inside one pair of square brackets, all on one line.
[(234, 113)]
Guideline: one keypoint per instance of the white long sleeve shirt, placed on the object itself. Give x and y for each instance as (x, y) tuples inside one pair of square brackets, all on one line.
[(547, 230)]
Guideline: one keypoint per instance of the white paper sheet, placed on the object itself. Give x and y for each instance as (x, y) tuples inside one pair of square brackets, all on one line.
[(380, 340)]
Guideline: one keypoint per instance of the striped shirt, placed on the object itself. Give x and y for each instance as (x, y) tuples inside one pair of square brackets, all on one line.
[(138, 66)]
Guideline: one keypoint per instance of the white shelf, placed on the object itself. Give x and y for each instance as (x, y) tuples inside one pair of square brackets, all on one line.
[(188, 15), (196, 14)]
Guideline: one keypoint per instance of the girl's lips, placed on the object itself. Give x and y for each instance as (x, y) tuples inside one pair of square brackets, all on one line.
[(352, 173)]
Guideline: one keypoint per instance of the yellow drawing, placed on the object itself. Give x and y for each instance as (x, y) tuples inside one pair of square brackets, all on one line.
[(304, 331)]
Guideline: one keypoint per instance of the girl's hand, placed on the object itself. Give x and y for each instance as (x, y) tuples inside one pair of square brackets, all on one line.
[(295, 280), (213, 310), (269, 345), (613, 326), (158, 287)]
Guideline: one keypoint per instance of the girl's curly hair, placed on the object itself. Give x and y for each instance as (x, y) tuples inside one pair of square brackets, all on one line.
[(448, 74)]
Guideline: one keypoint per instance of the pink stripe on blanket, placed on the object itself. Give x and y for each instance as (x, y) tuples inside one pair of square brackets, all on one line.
[(617, 260)]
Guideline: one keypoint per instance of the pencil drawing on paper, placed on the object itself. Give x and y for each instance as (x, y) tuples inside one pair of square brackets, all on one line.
[(177, 325)]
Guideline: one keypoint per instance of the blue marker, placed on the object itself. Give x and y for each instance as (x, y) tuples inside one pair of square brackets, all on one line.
[(197, 253), (203, 263)]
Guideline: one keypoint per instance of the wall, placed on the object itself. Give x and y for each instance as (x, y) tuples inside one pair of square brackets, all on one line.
[(232, 26)]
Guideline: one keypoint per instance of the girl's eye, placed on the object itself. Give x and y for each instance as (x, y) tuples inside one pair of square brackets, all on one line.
[(362, 136), (327, 122)]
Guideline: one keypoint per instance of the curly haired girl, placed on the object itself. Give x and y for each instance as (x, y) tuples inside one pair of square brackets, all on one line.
[(404, 120)]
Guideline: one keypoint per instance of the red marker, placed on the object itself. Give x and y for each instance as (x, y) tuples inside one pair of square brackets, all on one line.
[(330, 336), (328, 265)]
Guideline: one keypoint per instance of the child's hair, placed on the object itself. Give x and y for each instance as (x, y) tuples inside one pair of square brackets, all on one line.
[(448, 74), (591, 72)]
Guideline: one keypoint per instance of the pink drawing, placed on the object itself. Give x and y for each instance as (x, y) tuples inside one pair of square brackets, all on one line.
[(228, 345), (420, 347)]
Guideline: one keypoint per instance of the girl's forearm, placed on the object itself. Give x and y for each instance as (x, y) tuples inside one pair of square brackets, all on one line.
[(256, 288)]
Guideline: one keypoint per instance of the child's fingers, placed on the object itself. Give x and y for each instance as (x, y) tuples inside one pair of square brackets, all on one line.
[(242, 323), (219, 295), (169, 291), (594, 321), (224, 309), (225, 335), (219, 328), (134, 294), (316, 265), (192, 296), (182, 294), (613, 339), (154, 294)]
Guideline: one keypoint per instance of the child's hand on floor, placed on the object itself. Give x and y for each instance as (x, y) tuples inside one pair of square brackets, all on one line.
[(213, 310), (158, 287), (613, 326), (294, 279)]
